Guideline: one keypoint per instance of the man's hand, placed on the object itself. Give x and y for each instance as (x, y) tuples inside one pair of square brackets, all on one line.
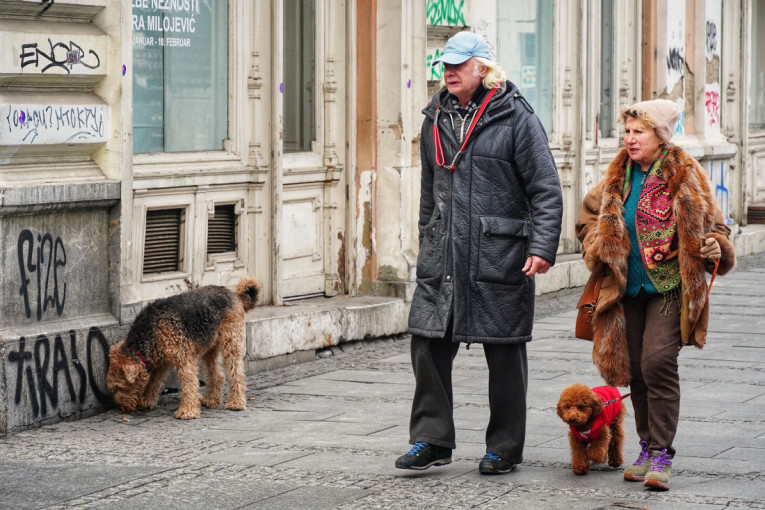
[(535, 265), (711, 249)]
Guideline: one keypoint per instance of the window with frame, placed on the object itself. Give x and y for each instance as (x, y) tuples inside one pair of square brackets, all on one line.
[(299, 75), (607, 101), (525, 51), (180, 75), (757, 64)]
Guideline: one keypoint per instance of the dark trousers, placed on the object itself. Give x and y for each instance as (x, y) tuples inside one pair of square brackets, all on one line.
[(432, 420), (653, 339)]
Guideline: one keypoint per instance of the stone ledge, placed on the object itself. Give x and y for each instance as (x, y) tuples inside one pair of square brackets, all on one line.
[(318, 323)]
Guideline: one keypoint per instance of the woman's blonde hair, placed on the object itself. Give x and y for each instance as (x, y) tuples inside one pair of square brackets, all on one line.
[(628, 113), (494, 74)]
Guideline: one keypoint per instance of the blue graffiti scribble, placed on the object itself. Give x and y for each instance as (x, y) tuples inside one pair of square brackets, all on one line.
[(721, 191), (680, 124)]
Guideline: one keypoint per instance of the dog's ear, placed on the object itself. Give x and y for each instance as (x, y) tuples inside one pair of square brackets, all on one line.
[(597, 407), (559, 408), (131, 372)]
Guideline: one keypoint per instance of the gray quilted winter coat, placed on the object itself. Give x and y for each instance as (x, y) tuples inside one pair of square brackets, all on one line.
[(479, 223)]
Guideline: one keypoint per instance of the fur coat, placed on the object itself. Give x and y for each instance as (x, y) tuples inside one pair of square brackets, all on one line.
[(602, 230)]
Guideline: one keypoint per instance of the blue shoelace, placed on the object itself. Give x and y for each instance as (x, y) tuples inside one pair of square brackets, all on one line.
[(491, 456), (417, 448)]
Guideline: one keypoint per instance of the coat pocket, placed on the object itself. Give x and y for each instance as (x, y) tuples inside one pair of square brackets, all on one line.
[(502, 249), (430, 261)]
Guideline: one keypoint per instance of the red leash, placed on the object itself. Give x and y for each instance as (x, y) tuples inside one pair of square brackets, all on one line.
[(437, 137)]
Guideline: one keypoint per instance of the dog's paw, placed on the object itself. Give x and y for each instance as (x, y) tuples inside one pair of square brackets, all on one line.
[(615, 462), (581, 468), (236, 405), (187, 414), (211, 402)]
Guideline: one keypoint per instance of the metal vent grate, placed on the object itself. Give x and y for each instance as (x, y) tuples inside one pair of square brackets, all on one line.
[(162, 246), (221, 230), (756, 214)]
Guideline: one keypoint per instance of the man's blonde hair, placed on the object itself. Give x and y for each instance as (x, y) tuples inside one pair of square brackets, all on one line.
[(494, 74)]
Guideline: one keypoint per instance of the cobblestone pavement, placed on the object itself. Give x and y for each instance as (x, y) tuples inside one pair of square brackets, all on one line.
[(325, 434)]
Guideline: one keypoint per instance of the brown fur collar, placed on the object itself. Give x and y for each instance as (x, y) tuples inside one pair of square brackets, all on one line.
[(697, 214)]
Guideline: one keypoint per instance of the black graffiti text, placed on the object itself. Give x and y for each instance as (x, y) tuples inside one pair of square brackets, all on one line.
[(60, 55), (43, 259), (675, 60), (48, 6), (47, 365), (711, 37)]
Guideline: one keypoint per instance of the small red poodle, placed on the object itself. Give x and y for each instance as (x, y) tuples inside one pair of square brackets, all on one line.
[(596, 419)]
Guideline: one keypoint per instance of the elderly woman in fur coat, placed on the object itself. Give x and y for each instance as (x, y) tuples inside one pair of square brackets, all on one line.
[(654, 229)]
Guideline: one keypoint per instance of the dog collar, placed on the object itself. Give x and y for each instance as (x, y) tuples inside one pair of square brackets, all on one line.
[(143, 360)]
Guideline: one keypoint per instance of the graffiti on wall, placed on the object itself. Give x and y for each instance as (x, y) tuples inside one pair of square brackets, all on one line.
[(721, 189), (435, 73), (712, 93), (446, 12), (675, 60), (675, 37), (41, 260), (48, 4), (22, 124), (711, 39), (49, 371), (712, 105), (48, 374), (59, 55), (680, 124)]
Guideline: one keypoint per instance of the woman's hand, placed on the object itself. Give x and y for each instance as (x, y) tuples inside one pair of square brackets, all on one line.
[(711, 249)]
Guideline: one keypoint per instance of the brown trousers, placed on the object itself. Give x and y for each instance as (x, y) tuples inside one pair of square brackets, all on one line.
[(653, 339)]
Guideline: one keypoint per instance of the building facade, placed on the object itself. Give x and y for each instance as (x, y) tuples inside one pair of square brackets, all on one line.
[(151, 146)]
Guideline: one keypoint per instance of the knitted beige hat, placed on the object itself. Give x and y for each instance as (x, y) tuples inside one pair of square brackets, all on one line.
[(662, 114)]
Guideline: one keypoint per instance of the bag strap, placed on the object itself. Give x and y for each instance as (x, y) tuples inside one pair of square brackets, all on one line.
[(598, 283), (591, 291), (706, 298)]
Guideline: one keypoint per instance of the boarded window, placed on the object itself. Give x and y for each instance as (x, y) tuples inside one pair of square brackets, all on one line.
[(221, 230), (162, 247)]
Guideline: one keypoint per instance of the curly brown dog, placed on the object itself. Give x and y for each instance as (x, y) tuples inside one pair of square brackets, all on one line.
[(174, 332), (596, 421)]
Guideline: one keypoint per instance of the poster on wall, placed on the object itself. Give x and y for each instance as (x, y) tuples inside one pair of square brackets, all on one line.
[(180, 83)]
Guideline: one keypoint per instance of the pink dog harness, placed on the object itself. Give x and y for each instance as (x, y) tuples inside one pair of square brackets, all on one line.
[(612, 403)]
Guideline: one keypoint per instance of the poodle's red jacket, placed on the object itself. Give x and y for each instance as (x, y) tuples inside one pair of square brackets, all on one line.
[(612, 403)]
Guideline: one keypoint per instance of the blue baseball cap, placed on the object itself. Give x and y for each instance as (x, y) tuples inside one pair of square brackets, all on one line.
[(463, 46)]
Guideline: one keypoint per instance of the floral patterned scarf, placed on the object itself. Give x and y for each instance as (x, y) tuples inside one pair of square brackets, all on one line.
[(656, 226)]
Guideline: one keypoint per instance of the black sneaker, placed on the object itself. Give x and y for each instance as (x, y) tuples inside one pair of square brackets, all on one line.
[(424, 455), (492, 464)]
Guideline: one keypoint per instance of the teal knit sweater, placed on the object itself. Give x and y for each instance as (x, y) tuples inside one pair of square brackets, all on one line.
[(637, 277)]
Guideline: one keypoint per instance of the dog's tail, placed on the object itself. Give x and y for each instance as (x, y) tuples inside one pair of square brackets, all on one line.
[(248, 291)]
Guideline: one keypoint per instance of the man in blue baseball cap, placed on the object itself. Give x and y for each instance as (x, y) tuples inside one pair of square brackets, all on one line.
[(463, 46), (490, 219)]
